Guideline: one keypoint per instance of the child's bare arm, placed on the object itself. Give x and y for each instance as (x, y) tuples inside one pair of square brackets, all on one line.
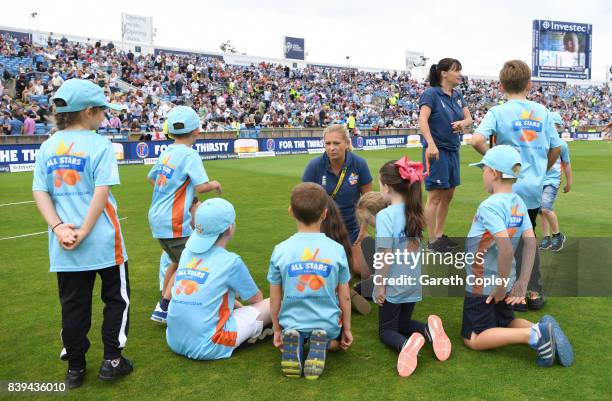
[(567, 169), (344, 296), (275, 305), (255, 298), (504, 264), (63, 231), (529, 249), (208, 186), (382, 272)]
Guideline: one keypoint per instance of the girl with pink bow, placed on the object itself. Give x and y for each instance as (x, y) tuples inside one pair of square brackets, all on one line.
[(399, 229)]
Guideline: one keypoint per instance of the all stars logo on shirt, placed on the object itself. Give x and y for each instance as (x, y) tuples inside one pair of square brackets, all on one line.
[(528, 125), (353, 178), (66, 165), (310, 270), (191, 277), (164, 171)]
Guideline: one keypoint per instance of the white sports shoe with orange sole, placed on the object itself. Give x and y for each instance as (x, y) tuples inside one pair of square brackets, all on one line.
[(407, 360), (439, 340)]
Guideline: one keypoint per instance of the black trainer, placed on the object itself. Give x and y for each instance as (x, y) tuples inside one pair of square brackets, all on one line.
[(109, 372), (536, 303), (74, 378), (438, 245), (449, 242)]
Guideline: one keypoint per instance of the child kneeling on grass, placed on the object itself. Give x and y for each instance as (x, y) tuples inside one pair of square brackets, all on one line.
[(400, 227), (202, 320), (309, 290), (500, 222)]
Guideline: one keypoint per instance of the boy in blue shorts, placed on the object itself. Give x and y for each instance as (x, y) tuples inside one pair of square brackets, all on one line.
[(552, 182), (203, 322), (74, 171), (528, 127), (309, 290), (491, 284), (176, 177)]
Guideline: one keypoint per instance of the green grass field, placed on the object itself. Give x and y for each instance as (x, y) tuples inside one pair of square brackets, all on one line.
[(259, 189)]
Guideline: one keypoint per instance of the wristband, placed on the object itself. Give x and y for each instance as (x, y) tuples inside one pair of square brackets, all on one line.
[(55, 226)]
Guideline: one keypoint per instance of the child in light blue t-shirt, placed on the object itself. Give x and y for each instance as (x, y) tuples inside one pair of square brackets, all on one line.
[(492, 287), (397, 289), (309, 290), (74, 171), (204, 321), (176, 177)]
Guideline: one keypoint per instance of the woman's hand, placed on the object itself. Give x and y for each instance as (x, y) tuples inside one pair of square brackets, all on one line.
[(432, 151)]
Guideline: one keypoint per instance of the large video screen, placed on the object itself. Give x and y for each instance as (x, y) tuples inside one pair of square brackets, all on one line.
[(561, 49)]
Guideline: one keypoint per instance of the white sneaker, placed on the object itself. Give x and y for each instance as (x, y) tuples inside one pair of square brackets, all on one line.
[(159, 315)]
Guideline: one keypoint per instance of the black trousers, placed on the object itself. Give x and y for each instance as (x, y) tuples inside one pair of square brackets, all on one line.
[(534, 280), (75, 291), (395, 324)]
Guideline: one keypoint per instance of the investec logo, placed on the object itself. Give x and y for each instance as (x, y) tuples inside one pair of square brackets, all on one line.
[(295, 47), (555, 26)]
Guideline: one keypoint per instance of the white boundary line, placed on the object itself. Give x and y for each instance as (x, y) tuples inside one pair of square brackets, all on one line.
[(16, 203), (38, 233)]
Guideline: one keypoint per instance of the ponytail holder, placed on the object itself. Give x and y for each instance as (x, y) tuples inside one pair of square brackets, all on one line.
[(410, 171)]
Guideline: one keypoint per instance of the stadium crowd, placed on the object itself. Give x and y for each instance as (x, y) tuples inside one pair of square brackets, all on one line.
[(232, 97)]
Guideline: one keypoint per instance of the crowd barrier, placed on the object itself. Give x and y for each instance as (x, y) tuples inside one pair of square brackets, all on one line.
[(21, 156)]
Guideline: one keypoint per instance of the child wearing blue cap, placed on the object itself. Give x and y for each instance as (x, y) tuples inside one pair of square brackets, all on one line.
[(309, 290), (526, 126), (74, 171), (176, 177), (203, 322), (491, 284), (552, 182)]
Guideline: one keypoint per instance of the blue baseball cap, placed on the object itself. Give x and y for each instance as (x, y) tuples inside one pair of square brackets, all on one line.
[(79, 94), (182, 120), (212, 218), (556, 118), (501, 158)]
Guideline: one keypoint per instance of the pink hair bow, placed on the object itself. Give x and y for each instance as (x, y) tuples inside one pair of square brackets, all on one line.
[(409, 170)]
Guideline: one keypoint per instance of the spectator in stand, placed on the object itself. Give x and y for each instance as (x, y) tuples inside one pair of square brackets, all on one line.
[(29, 123)]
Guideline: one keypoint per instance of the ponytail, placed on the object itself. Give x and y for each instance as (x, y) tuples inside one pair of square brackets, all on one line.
[(413, 210), (433, 78)]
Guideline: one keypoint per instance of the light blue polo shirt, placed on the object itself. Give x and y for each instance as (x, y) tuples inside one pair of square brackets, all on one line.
[(553, 177), (390, 227), (528, 127), (69, 166), (497, 213), (309, 267), (177, 172)]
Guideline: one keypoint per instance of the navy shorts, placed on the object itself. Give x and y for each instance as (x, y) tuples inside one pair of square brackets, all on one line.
[(479, 316), (444, 173)]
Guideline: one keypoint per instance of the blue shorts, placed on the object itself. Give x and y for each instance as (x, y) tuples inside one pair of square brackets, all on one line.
[(444, 173), (549, 194), (479, 316)]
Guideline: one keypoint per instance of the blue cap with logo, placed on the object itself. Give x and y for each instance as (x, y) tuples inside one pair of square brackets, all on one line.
[(182, 120), (79, 94), (501, 158), (212, 218), (556, 118)]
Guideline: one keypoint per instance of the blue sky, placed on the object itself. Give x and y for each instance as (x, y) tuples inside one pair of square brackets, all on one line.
[(482, 34)]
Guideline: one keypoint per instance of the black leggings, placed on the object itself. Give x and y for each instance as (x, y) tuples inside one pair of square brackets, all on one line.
[(395, 324)]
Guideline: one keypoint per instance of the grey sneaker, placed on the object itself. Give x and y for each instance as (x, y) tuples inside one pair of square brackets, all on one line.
[(546, 243), (557, 242)]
